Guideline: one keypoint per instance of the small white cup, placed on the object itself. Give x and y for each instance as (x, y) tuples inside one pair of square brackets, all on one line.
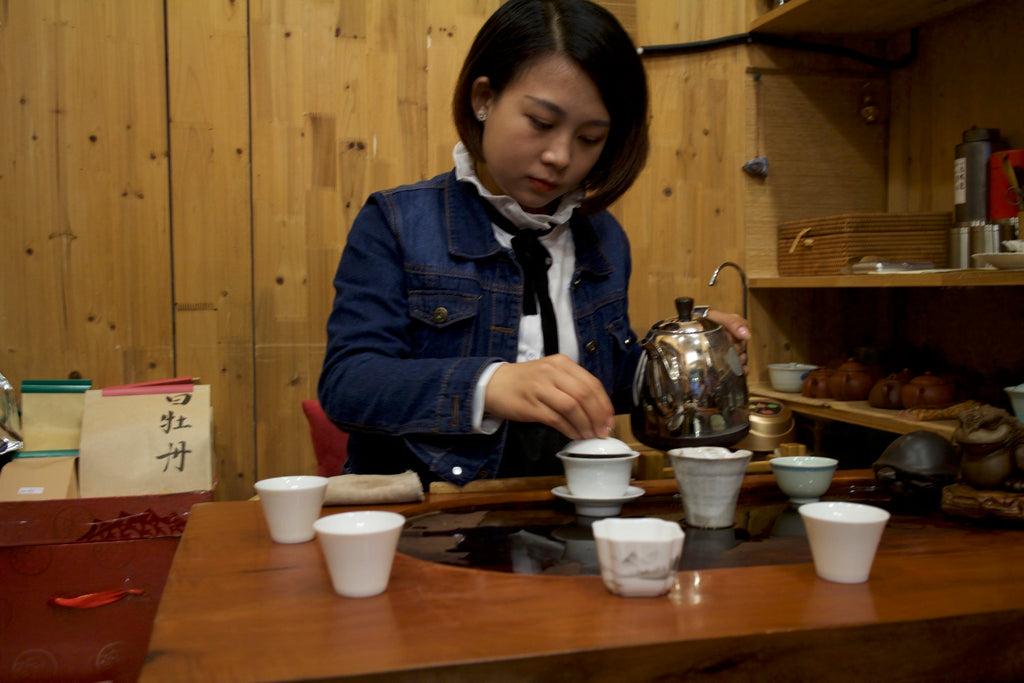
[(843, 538), (598, 478), (639, 556), (291, 505), (359, 548), (709, 480)]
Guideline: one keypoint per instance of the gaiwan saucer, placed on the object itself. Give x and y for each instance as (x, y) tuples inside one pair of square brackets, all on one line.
[(603, 507)]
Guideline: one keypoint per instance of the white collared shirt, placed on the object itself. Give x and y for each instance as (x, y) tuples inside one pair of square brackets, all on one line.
[(560, 245)]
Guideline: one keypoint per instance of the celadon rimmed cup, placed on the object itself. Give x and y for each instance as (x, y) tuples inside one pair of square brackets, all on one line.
[(638, 556), (843, 538), (709, 480), (804, 478)]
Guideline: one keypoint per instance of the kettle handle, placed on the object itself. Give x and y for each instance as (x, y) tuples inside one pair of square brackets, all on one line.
[(662, 402)]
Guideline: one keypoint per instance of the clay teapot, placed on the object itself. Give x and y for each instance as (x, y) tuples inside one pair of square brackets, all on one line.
[(816, 384), (927, 391), (887, 391), (851, 381)]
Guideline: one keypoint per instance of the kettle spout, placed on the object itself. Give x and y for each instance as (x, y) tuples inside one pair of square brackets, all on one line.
[(743, 281)]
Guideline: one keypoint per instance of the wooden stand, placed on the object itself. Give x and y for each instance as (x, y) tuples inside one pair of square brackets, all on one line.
[(963, 500)]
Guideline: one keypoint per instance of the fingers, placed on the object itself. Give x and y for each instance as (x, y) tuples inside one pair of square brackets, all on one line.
[(554, 391), (736, 325)]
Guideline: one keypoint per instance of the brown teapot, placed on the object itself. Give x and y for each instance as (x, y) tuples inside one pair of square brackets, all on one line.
[(816, 384), (851, 381), (886, 393), (927, 391)]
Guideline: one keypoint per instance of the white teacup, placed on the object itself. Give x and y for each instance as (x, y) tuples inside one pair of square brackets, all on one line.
[(843, 538), (598, 478), (709, 480), (638, 556), (291, 505), (359, 548)]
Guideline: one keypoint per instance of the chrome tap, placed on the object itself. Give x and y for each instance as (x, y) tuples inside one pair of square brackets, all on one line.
[(743, 282)]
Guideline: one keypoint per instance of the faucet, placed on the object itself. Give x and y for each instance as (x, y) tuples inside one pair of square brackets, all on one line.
[(743, 282)]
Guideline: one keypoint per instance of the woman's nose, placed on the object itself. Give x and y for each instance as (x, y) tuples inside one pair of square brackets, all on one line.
[(558, 152)]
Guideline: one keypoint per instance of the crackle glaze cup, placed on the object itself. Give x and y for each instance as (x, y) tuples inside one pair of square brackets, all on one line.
[(709, 480), (291, 505), (638, 556), (843, 538), (359, 548)]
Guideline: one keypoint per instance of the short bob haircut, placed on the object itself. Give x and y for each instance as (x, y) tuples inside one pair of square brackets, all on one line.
[(522, 32)]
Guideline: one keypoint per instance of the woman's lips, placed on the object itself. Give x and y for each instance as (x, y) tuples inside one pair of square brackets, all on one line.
[(542, 185)]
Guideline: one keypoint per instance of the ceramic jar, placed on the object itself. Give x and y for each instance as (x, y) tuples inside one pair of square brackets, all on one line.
[(851, 381), (886, 393), (927, 391), (816, 384)]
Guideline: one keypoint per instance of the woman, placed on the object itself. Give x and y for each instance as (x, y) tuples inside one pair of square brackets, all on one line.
[(480, 318)]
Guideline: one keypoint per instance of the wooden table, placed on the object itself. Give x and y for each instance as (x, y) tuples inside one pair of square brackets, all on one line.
[(941, 604)]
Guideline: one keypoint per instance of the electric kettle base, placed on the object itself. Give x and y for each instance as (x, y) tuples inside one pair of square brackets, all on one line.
[(666, 442)]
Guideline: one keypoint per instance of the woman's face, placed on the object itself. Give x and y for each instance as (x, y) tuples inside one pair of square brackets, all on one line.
[(543, 134)]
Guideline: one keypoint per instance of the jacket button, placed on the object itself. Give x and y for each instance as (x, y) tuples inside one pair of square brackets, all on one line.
[(483, 474), (440, 314), (591, 347)]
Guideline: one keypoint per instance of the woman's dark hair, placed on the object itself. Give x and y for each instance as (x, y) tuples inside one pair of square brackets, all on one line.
[(523, 32)]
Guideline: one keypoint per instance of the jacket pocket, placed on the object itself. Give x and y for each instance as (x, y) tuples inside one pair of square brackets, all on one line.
[(443, 322)]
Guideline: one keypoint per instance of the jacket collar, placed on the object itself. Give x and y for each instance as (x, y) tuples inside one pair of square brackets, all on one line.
[(465, 216)]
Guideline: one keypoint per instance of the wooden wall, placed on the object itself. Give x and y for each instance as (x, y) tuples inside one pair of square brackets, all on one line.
[(177, 178)]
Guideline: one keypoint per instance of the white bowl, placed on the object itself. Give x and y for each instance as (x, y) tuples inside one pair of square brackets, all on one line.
[(603, 478), (789, 377), (804, 478), (1016, 395)]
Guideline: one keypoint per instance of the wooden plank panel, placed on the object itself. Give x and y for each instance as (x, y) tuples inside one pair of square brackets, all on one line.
[(83, 186), (844, 17), (207, 62)]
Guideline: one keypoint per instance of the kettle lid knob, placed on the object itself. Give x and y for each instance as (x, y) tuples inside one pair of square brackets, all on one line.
[(684, 307)]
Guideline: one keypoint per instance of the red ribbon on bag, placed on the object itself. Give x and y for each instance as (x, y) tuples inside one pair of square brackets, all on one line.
[(90, 600)]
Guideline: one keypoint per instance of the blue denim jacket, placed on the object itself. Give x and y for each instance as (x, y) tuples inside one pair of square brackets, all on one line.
[(426, 299)]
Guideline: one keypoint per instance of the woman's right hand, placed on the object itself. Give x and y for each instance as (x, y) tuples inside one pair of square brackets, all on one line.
[(552, 390)]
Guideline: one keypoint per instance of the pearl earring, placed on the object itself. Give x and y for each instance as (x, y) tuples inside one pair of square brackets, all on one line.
[(481, 115)]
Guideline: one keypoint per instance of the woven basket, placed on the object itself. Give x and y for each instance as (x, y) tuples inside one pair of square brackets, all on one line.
[(829, 245)]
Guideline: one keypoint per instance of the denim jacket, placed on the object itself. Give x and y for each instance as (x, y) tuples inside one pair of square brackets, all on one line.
[(426, 299)]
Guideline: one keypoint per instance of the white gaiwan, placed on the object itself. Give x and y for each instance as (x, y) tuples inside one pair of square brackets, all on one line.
[(597, 473), (597, 448)]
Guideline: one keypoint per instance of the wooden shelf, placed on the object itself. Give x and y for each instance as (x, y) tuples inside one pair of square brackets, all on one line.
[(843, 17), (854, 412), (933, 278)]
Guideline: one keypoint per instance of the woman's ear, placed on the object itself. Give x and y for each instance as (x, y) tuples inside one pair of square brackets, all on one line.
[(480, 94)]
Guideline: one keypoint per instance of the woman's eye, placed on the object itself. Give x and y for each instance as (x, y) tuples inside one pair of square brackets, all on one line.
[(540, 124), (588, 140)]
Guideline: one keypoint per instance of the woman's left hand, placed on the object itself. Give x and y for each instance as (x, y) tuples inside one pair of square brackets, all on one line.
[(738, 328)]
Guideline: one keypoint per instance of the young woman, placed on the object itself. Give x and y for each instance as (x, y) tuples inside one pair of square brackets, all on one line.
[(480, 318)]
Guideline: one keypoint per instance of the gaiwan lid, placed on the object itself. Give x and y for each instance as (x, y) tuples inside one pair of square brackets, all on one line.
[(608, 447)]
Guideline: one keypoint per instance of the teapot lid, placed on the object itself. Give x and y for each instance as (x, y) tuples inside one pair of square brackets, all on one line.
[(686, 323)]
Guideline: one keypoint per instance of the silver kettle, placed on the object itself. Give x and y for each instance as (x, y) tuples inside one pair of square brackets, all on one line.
[(690, 388)]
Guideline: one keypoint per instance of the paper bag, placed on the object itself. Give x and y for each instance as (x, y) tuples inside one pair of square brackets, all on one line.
[(51, 414), (146, 443), (50, 478)]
